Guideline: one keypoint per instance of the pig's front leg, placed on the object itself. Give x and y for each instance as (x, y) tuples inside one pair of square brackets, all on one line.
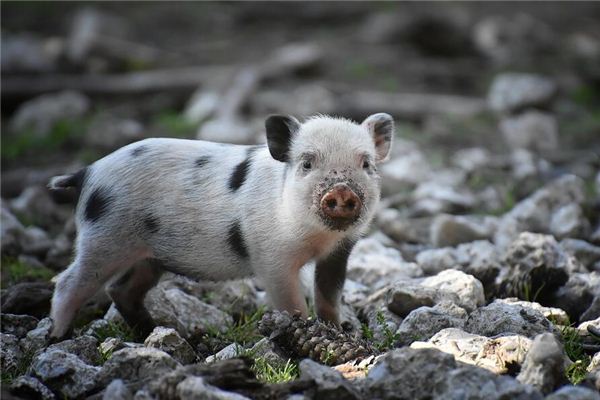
[(282, 284), (330, 274)]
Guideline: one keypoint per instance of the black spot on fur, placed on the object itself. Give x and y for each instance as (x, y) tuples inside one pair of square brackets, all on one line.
[(151, 224), (235, 239), (201, 161), (238, 176), (97, 204), (138, 151)]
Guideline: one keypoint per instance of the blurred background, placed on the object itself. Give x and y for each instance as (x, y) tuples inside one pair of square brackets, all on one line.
[(492, 100)]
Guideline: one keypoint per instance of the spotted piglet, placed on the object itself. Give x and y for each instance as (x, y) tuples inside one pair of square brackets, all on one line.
[(218, 211)]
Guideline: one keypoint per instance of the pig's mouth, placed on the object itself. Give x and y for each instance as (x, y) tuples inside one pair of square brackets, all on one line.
[(339, 203)]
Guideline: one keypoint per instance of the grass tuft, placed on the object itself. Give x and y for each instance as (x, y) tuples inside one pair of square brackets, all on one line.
[(268, 373), (14, 271), (115, 329), (573, 345)]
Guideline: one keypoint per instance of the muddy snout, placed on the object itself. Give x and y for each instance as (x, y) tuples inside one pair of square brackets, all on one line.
[(341, 203)]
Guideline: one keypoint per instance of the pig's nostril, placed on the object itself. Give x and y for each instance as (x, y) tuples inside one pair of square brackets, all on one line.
[(350, 204), (331, 203)]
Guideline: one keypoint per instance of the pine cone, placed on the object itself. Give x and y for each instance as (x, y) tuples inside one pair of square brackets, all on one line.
[(312, 338)]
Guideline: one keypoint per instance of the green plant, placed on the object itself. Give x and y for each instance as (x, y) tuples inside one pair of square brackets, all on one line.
[(268, 373), (573, 345), (390, 337), (115, 329), (244, 331), (15, 271), (174, 124)]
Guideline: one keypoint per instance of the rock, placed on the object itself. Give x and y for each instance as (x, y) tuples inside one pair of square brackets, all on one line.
[(35, 241), (30, 298), (575, 297), (11, 231), (267, 350), (531, 130), (29, 387), (593, 311), (468, 289), (535, 212), (117, 390), (354, 292), (471, 159), (60, 254), (237, 297), (402, 229), (188, 315), (195, 388), (111, 345), (405, 171), (518, 37), (17, 325), (405, 298), (107, 132), (430, 374), (570, 392), (27, 53), (424, 322), (583, 251), (202, 105), (556, 315), (515, 91), (65, 373), (451, 230), (38, 337), (42, 113), (169, 341), (569, 221), (501, 355), (432, 198), (11, 355), (357, 369), (136, 366), (526, 168), (36, 206), (85, 347), (501, 318), (230, 351), (329, 383), (544, 364), (538, 266), (373, 264)]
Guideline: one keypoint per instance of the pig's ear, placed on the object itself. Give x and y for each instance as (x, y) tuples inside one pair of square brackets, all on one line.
[(381, 128), (280, 131)]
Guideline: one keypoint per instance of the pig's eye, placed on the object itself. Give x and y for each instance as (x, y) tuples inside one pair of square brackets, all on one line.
[(366, 164), (306, 165)]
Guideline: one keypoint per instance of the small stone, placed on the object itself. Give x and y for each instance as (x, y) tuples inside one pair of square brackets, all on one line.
[(424, 322), (85, 347), (544, 364), (11, 354), (330, 384), (195, 388), (117, 390), (471, 159), (231, 351), (452, 230), (501, 355), (569, 221), (405, 171), (501, 318), (532, 130), (266, 349), (431, 198), (65, 373), (29, 387), (570, 392), (30, 298), (468, 289), (42, 113), (108, 132), (17, 325), (169, 341), (585, 252), (11, 231), (556, 315), (136, 366), (39, 337), (515, 91)]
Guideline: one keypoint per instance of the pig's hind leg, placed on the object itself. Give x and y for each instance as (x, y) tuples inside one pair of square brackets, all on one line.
[(128, 293), (97, 261)]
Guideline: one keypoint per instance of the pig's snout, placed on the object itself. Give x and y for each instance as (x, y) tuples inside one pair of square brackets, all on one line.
[(340, 202)]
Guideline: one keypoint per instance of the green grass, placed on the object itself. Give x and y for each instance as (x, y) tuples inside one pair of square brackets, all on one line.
[(18, 144), (116, 330), (268, 373), (573, 344), (15, 271), (244, 331), (390, 338)]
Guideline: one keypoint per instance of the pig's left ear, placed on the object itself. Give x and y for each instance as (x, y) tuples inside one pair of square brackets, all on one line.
[(280, 131), (381, 128)]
